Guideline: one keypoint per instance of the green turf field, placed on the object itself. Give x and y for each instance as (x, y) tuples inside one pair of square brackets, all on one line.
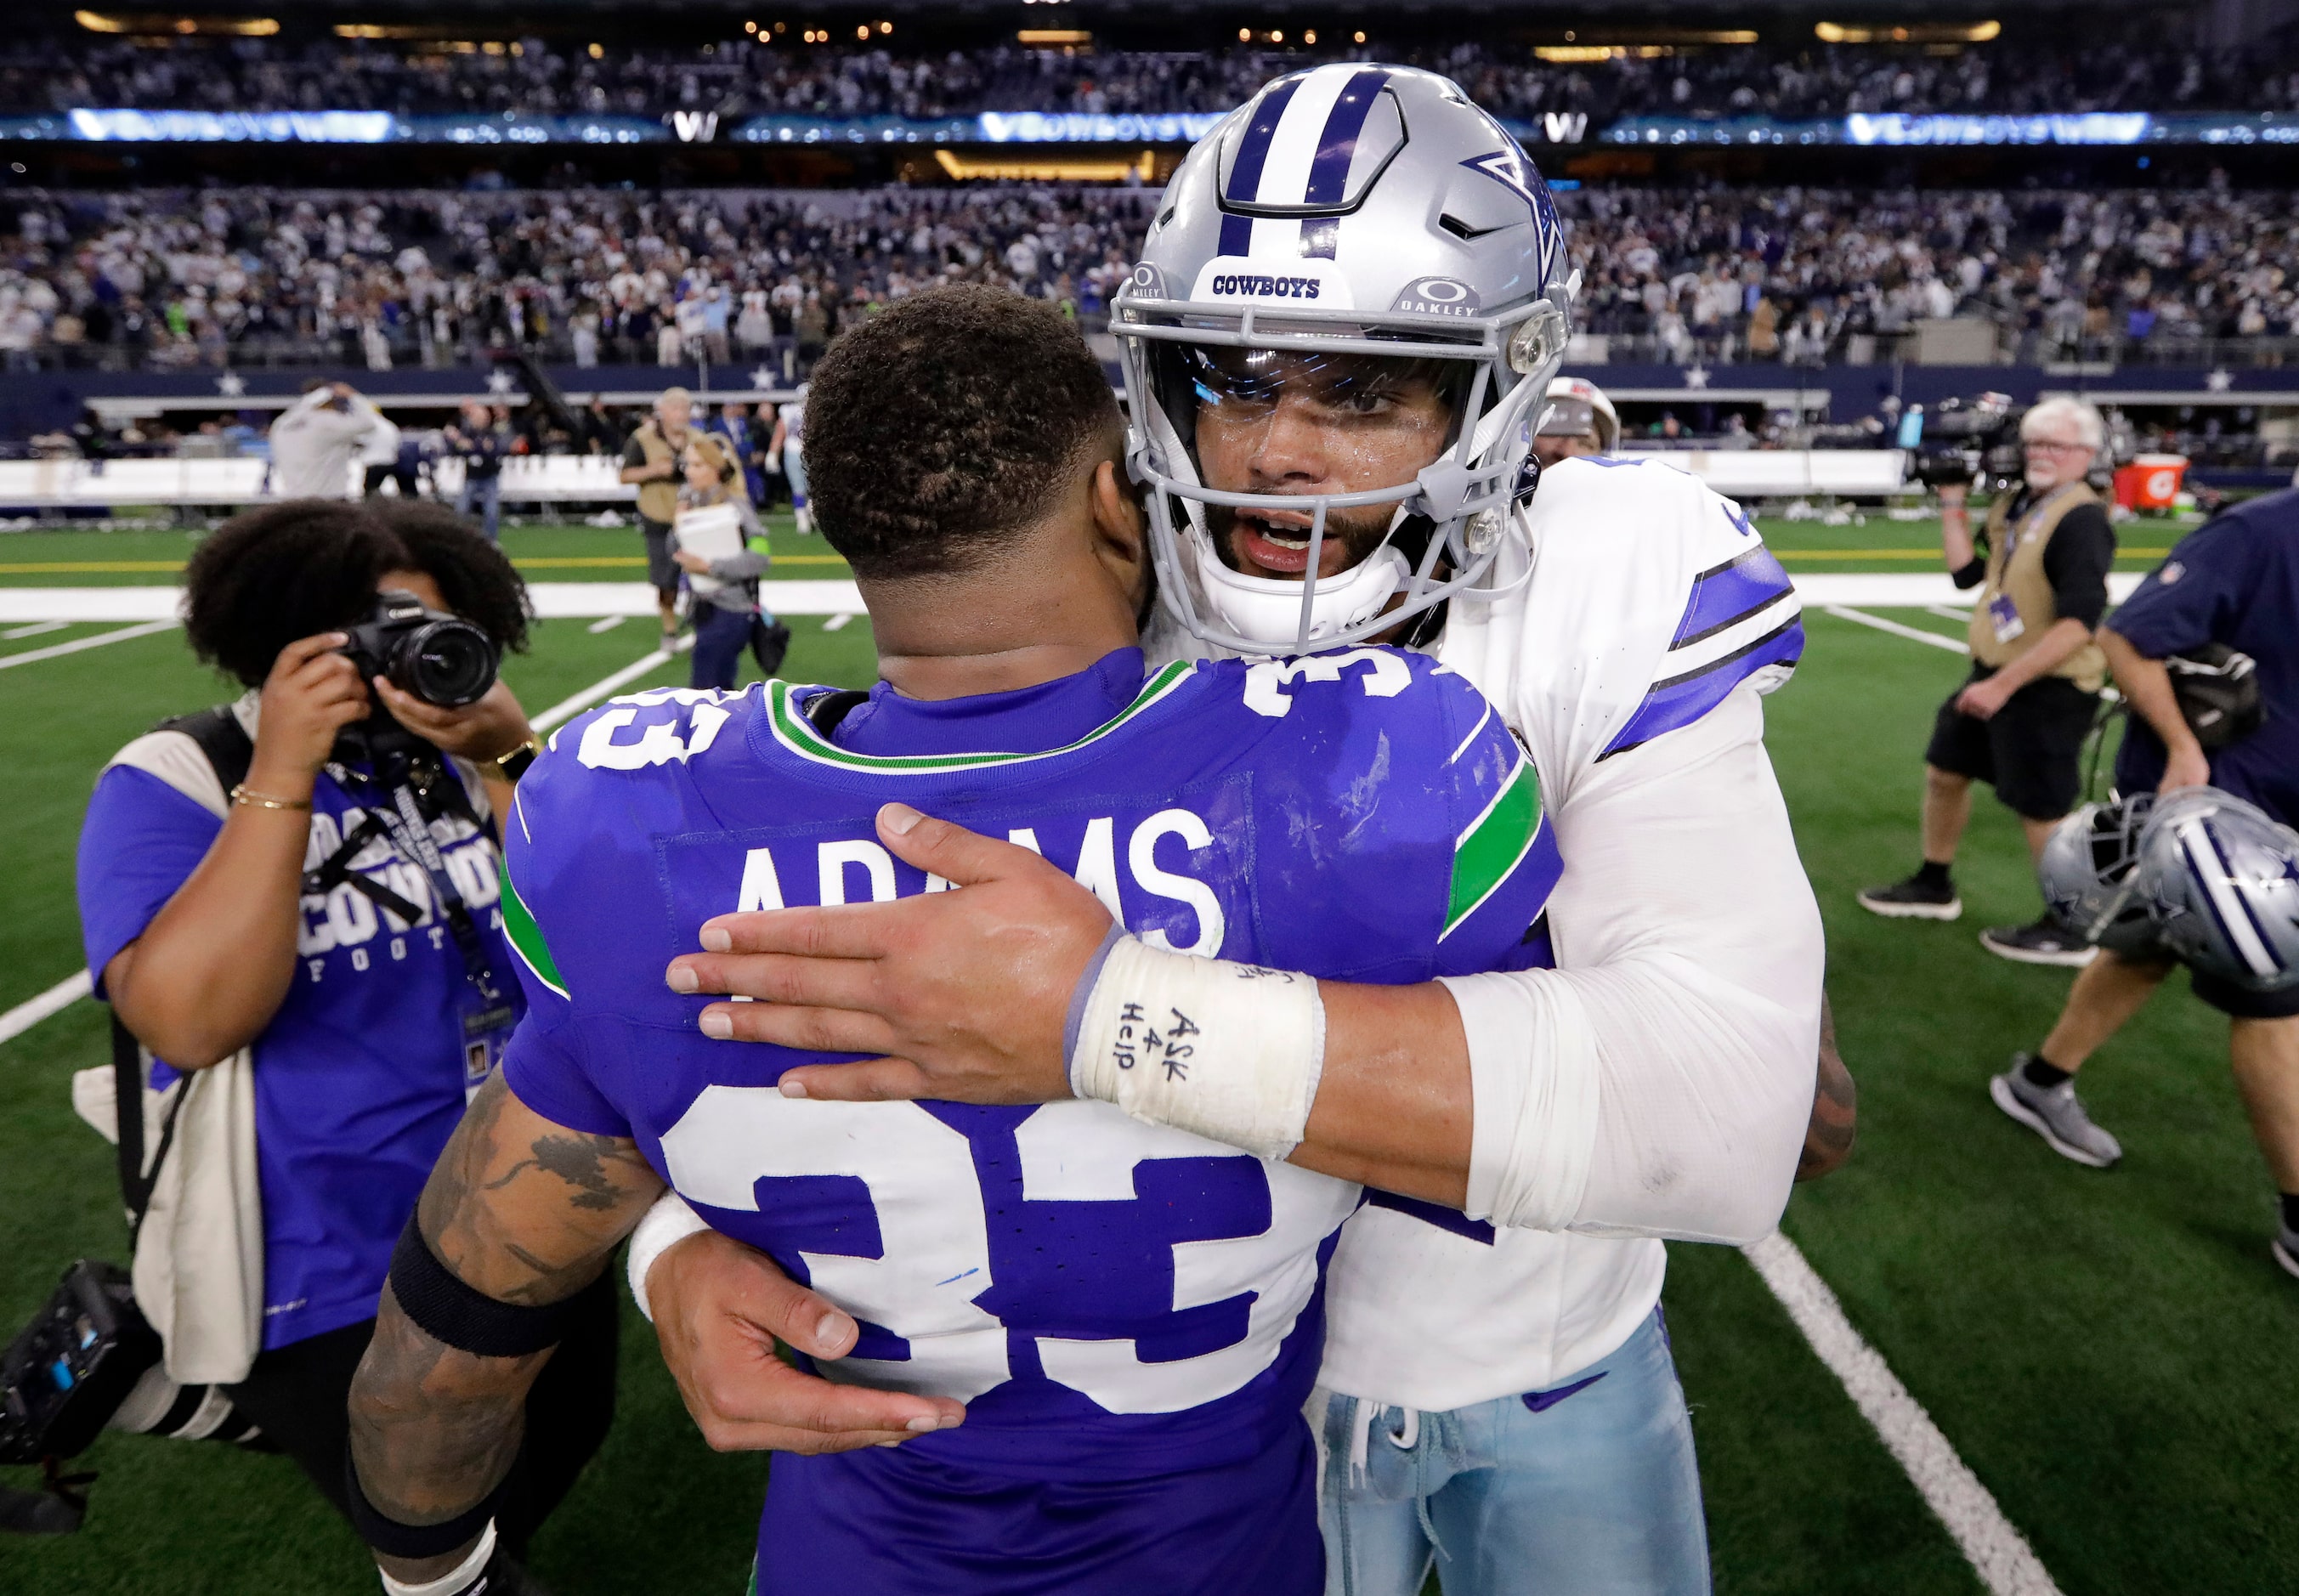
[(2105, 1350)]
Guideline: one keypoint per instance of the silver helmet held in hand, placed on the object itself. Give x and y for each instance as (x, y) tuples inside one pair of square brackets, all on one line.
[(2091, 878), (2223, 881), (1350, 228)]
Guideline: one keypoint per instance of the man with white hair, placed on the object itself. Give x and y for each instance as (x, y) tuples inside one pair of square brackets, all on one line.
[(2018, 723)]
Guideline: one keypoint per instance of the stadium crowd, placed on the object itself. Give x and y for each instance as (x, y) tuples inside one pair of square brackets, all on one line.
[(169, 278), (750, 77)]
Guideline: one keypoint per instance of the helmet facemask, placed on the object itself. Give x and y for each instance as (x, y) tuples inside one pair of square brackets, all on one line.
[(1435, 428)]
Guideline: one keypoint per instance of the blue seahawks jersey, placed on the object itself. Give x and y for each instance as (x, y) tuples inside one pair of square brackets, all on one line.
[(1111, 1300)]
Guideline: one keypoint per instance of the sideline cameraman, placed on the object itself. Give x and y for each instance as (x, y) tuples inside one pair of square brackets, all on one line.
[(210, 936), (2234, 582), (2018, 723)]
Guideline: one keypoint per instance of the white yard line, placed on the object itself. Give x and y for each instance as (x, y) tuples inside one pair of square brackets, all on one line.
[(31, 1011), (837, 623), (56, 651), (1949, 613), (1997, 1551), (605, 623), (1914, 634), (568, 708), (37, 629)]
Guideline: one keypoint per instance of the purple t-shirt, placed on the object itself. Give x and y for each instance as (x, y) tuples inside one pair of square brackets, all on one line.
[(361, 1074)]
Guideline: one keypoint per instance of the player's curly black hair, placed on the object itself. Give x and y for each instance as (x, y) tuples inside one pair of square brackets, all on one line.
[(265, 578), (945, 423)]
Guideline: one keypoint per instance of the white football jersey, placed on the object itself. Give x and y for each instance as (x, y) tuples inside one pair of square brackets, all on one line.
[(1624, 637)]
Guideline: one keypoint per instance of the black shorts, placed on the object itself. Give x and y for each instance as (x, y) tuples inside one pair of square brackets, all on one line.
[(2028, 751), (2238, 1002), (662, 571)]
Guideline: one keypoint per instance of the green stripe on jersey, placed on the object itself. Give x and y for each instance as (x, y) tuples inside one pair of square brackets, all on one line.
[(796, 732), (526, 936), (1494, 843)]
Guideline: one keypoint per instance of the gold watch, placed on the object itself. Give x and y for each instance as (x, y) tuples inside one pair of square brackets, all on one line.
[(513, 765)]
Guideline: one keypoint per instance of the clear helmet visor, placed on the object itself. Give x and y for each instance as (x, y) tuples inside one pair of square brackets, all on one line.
[(1298, 482)]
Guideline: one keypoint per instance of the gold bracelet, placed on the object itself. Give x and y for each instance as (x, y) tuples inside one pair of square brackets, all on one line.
[(244, 794)]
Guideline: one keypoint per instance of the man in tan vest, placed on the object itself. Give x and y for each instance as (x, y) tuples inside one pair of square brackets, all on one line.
[(651, 459), (2019, 722)]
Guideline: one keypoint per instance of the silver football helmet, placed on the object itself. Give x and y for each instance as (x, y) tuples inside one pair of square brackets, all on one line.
[(2091, 880), (2223, 881), (1364, 241)]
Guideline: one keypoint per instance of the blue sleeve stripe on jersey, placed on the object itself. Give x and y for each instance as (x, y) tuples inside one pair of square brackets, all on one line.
[(525, 937), (1682, 699), (1726, 594), (1433, 1213), (1496, 843), (794, 732)]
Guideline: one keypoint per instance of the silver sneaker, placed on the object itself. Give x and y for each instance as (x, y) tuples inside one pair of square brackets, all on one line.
[(2056, 1115)]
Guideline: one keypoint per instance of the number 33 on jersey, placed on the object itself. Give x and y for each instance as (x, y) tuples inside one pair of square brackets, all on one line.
[(1109, 1297)]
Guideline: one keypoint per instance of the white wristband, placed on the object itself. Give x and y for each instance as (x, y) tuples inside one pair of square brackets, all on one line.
[(1229, 1052), (457, 1579), (666, 1224)]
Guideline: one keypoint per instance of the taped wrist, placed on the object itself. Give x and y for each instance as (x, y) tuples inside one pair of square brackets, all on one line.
[(666, 1224), (469, 1320), (396, 1539), (1229, 1052), (457, 1580)]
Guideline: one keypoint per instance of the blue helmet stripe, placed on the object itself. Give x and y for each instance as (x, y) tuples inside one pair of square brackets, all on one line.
[(1236, 235), (1253, 149), (1337, 146)]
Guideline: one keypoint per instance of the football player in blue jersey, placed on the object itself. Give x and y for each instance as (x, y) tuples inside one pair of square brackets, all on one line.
[(1338, 340), (1130, 1313)]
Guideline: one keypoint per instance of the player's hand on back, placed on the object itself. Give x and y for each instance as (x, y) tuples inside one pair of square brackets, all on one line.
[(963, 993), (718, 1308)]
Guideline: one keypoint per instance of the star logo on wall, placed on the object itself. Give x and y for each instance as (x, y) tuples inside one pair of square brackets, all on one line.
[(762, 379), (2219, 381), (1696, 377), (231, 385), (500, 381)]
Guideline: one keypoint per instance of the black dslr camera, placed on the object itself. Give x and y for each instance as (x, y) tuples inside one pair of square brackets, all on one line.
[(441, 659), (1973, 441)]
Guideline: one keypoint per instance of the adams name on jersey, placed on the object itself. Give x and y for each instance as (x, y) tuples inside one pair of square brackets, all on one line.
[(1111, 1299)]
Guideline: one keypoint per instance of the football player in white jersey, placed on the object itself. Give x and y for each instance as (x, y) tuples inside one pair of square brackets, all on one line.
[(1350, 308)]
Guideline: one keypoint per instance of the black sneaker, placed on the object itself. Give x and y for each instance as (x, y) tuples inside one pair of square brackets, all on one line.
[(2044, 941), (1912, 899)]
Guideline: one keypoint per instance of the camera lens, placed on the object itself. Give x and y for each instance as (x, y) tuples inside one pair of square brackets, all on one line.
[(445, 662)]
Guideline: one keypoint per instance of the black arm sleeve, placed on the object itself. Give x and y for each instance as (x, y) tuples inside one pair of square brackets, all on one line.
[(2076, 563), (1971, 573)]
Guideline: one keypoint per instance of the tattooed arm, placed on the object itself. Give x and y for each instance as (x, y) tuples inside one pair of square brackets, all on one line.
[(522, 1210), (1835, 1108)]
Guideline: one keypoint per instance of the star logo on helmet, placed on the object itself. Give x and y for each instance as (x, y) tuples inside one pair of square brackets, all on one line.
[(1509, 167)]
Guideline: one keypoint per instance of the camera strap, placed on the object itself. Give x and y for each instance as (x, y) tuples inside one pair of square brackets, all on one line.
[(410, 832)]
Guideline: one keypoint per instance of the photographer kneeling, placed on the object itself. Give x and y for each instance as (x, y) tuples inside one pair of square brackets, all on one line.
[(330, 930)]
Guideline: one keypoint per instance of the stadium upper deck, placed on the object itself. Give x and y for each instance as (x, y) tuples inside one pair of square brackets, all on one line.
[(751, 76)]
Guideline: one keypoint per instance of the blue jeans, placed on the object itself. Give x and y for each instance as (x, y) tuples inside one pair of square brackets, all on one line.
[(489, 491), (1590, 1488)]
